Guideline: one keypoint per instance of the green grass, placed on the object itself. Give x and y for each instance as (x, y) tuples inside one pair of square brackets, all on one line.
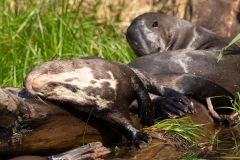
[(184, 127), (32, 32), (236, 39), (235, 103)]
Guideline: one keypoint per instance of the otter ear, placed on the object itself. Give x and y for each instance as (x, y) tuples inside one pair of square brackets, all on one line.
[(155, 24), (54, 58)]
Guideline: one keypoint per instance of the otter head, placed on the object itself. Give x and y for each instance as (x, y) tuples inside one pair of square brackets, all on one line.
[(146, 34), (72, 81), (46, 79)]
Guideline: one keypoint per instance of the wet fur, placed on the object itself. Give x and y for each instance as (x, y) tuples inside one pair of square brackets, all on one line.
[(155, 32), (115, 97), (106, 90), (177, 48)]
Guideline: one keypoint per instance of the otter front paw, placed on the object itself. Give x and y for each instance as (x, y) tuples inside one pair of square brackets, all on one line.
[(140, 140), (174, 105)]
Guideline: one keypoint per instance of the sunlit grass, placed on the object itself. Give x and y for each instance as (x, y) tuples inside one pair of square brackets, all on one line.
[(32, 32), (184, 127)]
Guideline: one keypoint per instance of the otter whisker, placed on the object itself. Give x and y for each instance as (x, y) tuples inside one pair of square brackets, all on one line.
[(40, 99), (35, 97)]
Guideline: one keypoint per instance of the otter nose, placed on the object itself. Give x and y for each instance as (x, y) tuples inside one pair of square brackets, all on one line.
[(39, 82)]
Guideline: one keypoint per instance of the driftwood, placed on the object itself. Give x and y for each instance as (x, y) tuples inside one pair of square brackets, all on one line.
[(31, 126), (231, 119), (90, 151)]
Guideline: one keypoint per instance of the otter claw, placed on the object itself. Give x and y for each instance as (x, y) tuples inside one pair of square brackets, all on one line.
[(140, 140)]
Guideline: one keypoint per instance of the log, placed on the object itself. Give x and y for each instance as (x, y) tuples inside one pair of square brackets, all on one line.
[(32, 126), (91, 151), (29, 126)]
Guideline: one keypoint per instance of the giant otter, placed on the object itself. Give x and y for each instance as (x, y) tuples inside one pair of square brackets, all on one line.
[(155, 32), (202, 63), (104, 89), (169, 45)]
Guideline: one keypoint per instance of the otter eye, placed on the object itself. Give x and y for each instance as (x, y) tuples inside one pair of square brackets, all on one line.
[(155, 24)]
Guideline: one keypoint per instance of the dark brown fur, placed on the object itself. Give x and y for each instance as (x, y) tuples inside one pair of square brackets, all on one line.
[(89, 85), (174, 47), (155, 32)]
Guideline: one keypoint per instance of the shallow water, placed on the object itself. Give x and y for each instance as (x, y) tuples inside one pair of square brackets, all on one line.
[(226, 147)]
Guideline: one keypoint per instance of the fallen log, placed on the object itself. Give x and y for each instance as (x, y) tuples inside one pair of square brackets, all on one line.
[(29, 126), (91, 151), (32, 126)]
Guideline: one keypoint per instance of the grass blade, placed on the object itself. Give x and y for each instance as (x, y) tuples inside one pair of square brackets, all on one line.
[(237, 38)]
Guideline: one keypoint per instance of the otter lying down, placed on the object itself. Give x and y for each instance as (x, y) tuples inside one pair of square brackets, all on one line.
[(106, 89)]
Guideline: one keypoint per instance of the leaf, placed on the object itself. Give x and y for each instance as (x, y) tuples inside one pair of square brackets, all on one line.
[(237, 38)]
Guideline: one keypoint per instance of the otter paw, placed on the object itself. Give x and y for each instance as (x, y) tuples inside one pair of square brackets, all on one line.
[(176, 103), (173, 107), (140, 140)]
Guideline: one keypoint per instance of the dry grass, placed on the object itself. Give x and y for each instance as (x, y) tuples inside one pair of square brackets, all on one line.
[(125, 11)]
